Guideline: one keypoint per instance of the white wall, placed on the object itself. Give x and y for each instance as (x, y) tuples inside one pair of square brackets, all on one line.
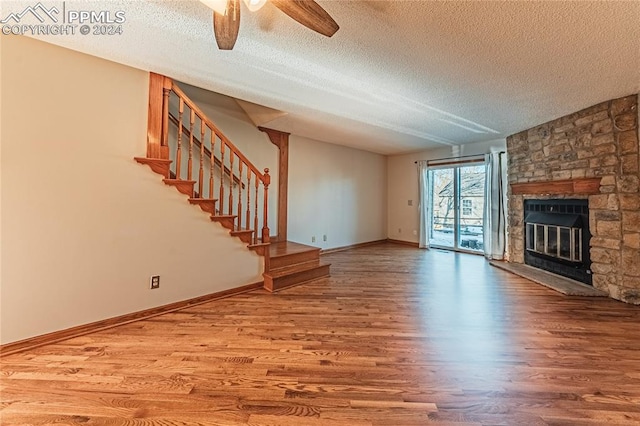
[(83, 225), (403, 219), (335, 191)]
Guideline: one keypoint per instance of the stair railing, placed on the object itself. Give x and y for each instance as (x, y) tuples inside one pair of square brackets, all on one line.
[(204, 157)]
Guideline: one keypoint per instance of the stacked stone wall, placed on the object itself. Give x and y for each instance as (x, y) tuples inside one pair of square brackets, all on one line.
[(600, 141)]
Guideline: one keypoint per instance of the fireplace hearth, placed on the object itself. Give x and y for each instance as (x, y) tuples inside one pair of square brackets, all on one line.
[(557, 237)]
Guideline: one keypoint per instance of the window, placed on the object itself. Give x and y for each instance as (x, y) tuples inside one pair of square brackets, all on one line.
[(456, 196), (466, 208)]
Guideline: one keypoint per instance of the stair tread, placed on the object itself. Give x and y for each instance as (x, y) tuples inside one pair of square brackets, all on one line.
[(146, 160), (223, 216), (179, 180), (199, 200), (251, 246), (241, 231), (287, 248)]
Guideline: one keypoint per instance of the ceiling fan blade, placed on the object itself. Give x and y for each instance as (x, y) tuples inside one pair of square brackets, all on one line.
[(310, 14), (226, 27)]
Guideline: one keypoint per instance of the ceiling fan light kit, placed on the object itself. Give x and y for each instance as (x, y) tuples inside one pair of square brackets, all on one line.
[(254, 5), (226, 17), (219, 6)]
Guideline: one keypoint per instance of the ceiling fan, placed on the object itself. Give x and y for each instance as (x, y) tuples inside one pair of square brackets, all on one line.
[(226, 17)]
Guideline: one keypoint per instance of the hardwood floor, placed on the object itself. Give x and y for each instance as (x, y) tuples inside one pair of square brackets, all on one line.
[(396, 336)]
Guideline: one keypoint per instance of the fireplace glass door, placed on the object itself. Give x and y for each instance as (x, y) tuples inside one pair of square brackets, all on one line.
[(561, 242), (457, 207)]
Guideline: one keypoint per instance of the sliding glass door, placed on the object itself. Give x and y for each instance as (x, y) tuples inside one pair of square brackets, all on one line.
[(457, 206)]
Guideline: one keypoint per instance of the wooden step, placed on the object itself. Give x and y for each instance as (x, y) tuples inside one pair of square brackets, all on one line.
[(285, 270), (292, 264), (288, 253), (158, 165), (184, 186), (279, 279), (260, 248), (206, 204), (246, 235), (228, 221)]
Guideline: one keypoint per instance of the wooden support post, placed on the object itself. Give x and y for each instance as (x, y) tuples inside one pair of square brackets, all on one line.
[(155, 117), (265, 215), (281, 140)]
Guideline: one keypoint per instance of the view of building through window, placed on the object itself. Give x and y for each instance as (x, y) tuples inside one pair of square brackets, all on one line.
[(457, 206)]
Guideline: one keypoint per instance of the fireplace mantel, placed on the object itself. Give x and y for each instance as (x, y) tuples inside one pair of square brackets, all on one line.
[(583, 186)]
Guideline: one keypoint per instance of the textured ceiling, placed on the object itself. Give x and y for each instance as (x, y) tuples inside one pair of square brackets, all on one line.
[(398, 76)]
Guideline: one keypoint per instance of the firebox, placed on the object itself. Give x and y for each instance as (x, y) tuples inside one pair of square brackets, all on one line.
[(557, 237)]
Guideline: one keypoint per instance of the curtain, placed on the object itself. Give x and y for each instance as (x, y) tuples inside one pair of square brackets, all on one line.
[(423, 186), (495, 206)]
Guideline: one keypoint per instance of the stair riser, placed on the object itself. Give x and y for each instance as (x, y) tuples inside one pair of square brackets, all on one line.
[(245, 237), (275, 284), (208, 206), (289, 269), (292, 259), (183, 186), (227, 223), (158, 165)]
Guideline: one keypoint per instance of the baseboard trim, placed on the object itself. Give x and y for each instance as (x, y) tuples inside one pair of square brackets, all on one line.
[(352, 246), (404, 243), (81, 330)]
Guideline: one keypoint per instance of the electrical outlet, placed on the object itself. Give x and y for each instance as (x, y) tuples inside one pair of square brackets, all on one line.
[(313, 239), (415, 232), (154, 282), (324, 238), (410, 202)]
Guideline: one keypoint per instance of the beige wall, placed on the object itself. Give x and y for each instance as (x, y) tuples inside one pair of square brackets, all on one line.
[(335, 191), (403, 221), (83, 226)]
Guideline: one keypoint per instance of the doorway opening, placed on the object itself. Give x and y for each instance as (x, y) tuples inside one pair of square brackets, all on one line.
[(457, 198)]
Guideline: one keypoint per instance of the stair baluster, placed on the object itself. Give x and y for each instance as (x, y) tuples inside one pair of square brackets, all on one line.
[(190, 162), (221, 197), (240, 196), (231, 157), (179, 148), (248, 218), (212, 162), (201, 173), (255, 211), (265, 225)]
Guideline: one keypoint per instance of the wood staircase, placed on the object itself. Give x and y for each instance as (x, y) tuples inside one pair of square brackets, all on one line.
[(210, 160), (287, 263), (292, 264)]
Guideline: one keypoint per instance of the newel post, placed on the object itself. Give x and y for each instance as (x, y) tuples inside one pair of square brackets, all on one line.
[(281, 140), (265, 225), (158, 116)]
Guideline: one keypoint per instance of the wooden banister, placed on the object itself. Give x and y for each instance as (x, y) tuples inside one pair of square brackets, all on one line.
[(207, 151), (175, 88), (213, 150)]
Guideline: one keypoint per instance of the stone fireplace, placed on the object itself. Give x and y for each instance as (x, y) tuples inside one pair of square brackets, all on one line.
[(587, 158)]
